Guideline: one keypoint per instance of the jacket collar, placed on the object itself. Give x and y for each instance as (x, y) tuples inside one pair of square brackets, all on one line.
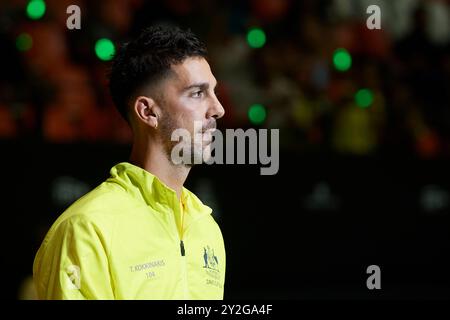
[(145, 186)]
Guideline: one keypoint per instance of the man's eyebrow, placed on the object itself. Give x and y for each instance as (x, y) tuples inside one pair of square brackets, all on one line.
[(200, 85)]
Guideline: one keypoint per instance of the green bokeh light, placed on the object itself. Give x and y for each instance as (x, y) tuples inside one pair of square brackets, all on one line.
[(105, 49), (364, 98), (256, 38), (24, 42), (36, 9), (342, 60), (257, 114)]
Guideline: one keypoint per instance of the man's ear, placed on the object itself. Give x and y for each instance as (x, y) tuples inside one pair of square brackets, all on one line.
[(146, 110)]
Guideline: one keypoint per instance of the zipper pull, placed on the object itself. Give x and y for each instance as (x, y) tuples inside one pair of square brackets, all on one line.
[(182, 248)]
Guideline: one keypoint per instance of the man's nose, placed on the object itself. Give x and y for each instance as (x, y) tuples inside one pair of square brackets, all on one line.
[(216, 109)]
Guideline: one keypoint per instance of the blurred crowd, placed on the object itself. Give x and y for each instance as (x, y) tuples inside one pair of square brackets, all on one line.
[(56, 91)]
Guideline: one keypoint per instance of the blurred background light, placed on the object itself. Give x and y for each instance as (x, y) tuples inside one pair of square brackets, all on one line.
[(24, 42), (364, 98), (257, 114), (342, 59), (256, 38), (105, 49), (36, 9)]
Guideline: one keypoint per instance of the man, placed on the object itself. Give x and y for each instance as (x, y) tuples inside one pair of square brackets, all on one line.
[(141, 234)]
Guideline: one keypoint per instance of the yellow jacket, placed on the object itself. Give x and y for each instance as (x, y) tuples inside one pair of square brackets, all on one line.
[(131, 238)]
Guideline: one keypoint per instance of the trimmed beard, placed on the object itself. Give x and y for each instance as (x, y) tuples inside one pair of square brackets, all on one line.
[(167, 127)]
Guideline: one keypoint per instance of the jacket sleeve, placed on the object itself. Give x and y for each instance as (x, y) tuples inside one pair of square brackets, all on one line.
[(73, 263)]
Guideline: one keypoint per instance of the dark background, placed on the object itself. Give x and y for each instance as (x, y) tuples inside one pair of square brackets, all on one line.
[(356, 186)]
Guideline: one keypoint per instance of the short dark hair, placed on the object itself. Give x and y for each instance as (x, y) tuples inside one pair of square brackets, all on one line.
[(147, 59)]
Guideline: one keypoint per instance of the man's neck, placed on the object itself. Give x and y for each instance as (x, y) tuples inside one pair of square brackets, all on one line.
[(153, 159)]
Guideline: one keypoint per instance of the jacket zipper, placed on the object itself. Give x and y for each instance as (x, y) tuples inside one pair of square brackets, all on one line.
[(183, 252), (183, 255)]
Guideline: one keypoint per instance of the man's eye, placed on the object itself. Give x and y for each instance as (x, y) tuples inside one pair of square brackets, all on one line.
[(197, 94)]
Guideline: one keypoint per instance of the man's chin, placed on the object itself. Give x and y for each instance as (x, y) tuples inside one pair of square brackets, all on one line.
[(196, 159), (202, 154), (207, 152)]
